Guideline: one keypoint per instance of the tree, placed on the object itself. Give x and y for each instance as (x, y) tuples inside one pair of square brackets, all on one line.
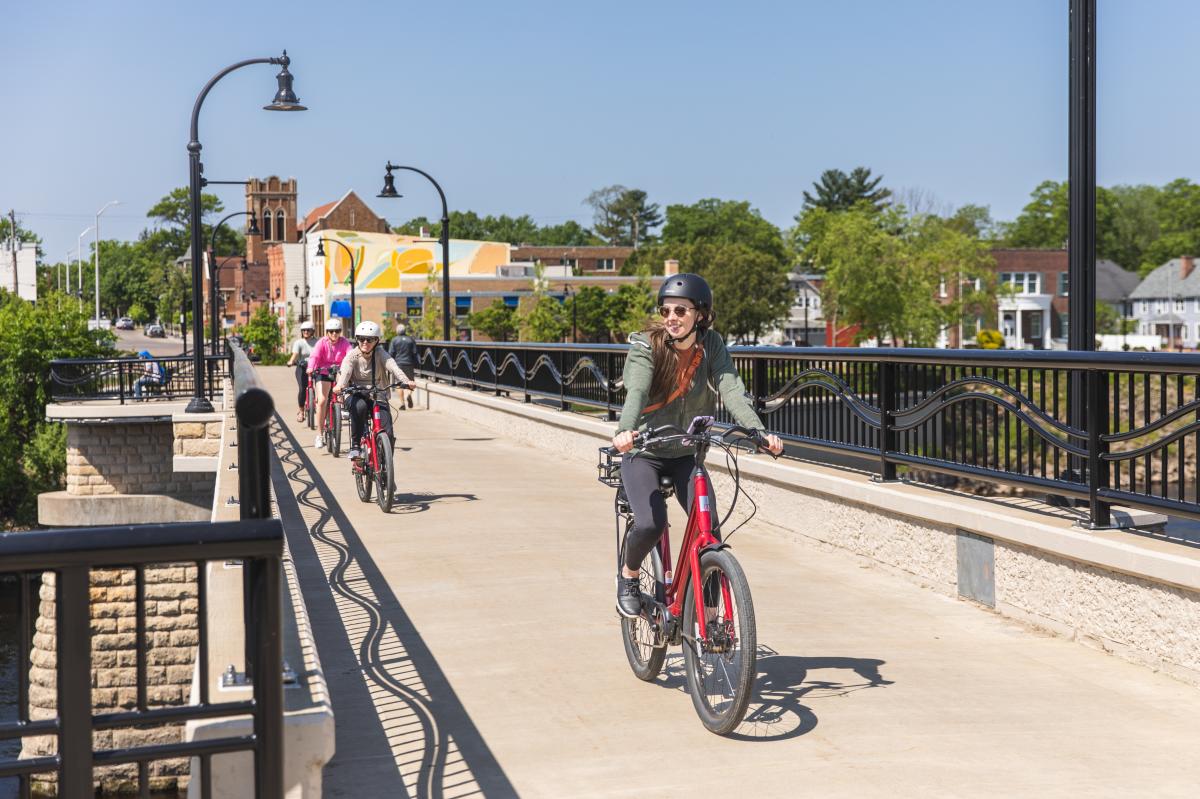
[(262, 333), (1135, 225), (974, 221), (566, 234), (623, 217), (24, 235), (429, 326), (1044, 221), (498, 322), (592, 312), (837, 191), (173, 212), (542, 319), (631, 307), (714, 221)]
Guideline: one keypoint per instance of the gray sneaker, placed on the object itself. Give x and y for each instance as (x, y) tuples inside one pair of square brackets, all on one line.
[(354, 454)]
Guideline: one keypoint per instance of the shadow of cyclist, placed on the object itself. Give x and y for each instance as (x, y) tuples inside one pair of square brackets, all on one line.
[(419, 501), (775, 712)]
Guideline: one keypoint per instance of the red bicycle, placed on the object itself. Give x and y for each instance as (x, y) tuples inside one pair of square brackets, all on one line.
[(310, 403), (374, 470), (333, 410), (713, 622)]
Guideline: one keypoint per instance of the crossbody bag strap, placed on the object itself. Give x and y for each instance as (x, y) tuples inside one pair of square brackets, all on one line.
[(685, 380)]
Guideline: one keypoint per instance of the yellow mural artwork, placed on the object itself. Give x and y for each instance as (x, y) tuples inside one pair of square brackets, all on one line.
[(402, 263)]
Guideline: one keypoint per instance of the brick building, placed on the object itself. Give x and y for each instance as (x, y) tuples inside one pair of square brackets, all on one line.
[(582, 260), (347, 213)]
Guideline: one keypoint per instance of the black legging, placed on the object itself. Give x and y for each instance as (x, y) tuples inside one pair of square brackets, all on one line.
[(360, 418), (639, 476), (301, 383)]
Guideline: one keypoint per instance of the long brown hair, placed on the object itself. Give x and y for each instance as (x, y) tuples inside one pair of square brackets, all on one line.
[(666, 357)]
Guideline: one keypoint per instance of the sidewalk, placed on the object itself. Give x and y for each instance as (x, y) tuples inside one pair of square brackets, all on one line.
[(472, 649)]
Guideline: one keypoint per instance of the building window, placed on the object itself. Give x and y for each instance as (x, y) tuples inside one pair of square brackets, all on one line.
[(462, 306), (1064, 326), (1035, 326), (280, 232), (266, 228), (511, 301), (413, 306), (1144, 306), (1023, 282), (1160, 306), (1063, 284), (568, 262), (1179, 306), (606, 264), (941, 288)]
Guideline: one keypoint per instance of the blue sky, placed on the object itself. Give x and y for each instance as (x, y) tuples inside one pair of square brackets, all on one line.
[(527, 106)]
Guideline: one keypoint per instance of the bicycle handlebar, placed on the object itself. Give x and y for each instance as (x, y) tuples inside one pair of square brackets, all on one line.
[(374, 390), (666, 434)]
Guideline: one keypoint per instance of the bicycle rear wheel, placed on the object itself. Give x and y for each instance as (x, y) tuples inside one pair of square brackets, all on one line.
[(721, 670), (310, 408), (384, 483), (644, 657), (333, 435)]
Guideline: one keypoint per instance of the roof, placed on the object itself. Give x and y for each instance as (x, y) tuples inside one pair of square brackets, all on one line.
[(316, 214), (1113, 283), (1164, 282)]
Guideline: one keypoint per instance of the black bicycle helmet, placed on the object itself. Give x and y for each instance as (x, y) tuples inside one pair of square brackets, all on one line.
[(688, 287)]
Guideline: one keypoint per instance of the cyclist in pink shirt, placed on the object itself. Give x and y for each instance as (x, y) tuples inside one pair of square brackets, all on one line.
[(323, 365)]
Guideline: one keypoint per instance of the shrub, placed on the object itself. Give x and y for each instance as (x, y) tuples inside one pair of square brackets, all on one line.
[(990, 339)]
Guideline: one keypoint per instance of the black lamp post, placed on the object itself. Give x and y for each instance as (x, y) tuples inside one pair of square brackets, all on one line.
[(571, 297), (389, 191), (321, 254), (251, 230), (303, 300), (285, 100)]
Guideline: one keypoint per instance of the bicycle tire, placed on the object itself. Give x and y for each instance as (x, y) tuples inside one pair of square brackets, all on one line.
[(310, 409), (645, 659), (384, 483), (725, 674), (333, 436), (363, 480)]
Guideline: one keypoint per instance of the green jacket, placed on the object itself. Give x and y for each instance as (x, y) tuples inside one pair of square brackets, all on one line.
[(716, 376)]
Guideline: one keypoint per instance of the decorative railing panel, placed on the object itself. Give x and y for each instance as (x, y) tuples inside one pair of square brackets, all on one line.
[(117, 378), (998, 417)]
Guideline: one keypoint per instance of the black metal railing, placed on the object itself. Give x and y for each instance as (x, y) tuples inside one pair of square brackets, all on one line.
[(71, 554), (993, 416), (118, 378)]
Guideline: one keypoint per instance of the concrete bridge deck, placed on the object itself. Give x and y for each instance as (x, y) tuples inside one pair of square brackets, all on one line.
[(472, 649)]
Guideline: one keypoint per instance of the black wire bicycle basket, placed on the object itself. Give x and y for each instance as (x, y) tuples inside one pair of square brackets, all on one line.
[(609, 468)]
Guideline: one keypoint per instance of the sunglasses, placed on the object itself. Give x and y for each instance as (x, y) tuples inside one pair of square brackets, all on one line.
[(679, 310), (365, 340)]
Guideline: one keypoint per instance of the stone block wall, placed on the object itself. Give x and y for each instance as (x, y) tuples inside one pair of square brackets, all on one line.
[(132, 458), (200, 437), (171, 610)]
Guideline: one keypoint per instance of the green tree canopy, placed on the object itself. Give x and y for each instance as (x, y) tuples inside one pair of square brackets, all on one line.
[(623, 217), (171, 238), (262, 332), (714, 221), (837, 191), (498, 322), (592, 312)]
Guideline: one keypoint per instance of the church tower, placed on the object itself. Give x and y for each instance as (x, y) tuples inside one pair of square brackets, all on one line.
[(273, 202)]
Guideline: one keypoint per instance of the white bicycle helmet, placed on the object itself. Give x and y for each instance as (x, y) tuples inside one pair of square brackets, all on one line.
[(307, 326), (367, 330), (333, 323)]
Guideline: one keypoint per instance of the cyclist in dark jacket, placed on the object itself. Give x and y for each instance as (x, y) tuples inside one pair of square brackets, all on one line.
[(403, 349), (675, 370)]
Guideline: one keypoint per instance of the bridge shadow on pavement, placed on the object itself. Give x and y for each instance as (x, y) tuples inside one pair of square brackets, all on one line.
[(401, 730), (775, 712)]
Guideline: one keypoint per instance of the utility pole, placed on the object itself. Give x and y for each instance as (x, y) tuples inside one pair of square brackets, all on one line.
[(12, 245)]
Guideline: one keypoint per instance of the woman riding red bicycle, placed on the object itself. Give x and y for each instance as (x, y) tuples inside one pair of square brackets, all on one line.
[(368, 365), (675, 371)]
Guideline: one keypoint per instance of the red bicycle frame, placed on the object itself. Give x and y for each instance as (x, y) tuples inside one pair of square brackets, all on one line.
[(369, 436), (697, 537)]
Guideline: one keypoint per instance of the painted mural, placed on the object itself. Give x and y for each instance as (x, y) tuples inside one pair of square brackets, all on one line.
[(390, 263)]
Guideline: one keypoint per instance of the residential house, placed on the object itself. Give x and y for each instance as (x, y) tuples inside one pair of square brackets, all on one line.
[(581, 260), (1167, 303)]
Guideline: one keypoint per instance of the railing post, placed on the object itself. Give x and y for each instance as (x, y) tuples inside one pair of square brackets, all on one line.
[(525, 374), (120, 381), (74, 659), (496, 371), (562, 381), (758, 374), (1097, 422), (609, 386), (264, 581), (887, 406)]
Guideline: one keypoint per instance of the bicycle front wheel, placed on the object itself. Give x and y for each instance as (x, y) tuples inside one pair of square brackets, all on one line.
[(333, 436), (721, 669), (645, 658), (363, 480), (384, 484)]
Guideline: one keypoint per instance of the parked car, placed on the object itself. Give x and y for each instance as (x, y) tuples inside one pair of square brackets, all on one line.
[(124, 323), (155, 331)]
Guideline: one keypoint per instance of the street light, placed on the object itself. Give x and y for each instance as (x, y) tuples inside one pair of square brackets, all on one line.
[(96, 255), (570, 292), (321, 254), (285, 100), (79, 265), (303, 300), (389, 192), (251, 230)]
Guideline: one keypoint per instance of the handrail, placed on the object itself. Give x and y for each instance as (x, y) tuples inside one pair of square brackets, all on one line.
[(992, 416)]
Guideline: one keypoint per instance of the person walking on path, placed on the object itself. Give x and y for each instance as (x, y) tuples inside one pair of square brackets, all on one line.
[(403, 349)]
